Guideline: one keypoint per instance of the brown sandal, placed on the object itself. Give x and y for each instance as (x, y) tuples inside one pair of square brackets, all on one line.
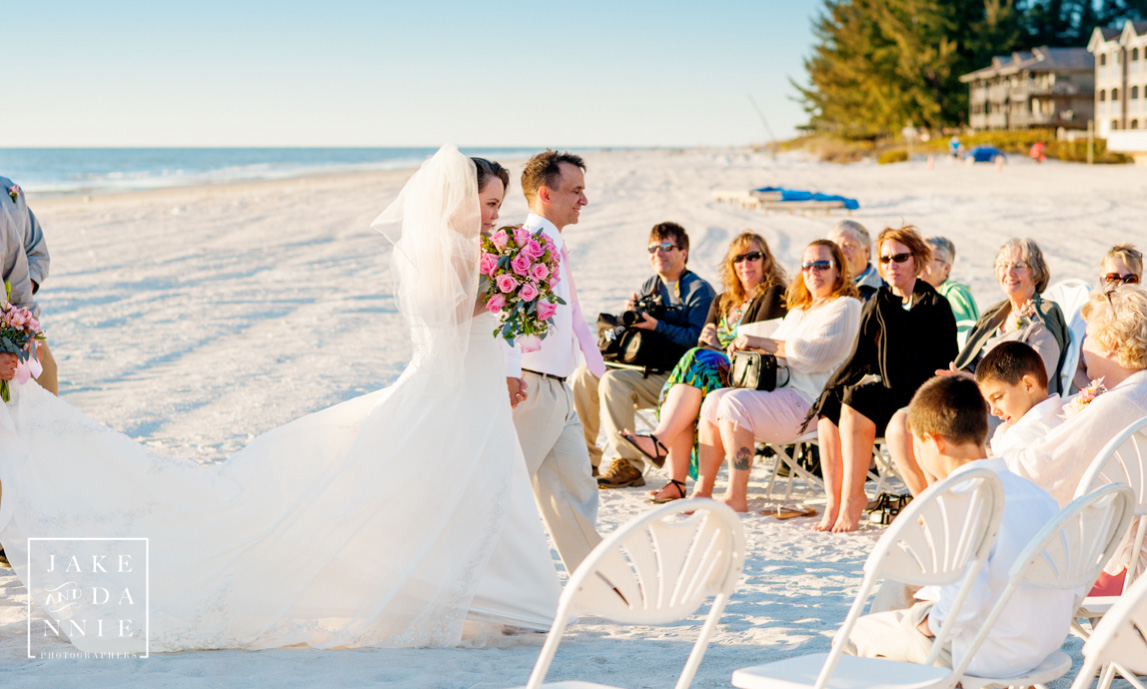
[(679, 485)]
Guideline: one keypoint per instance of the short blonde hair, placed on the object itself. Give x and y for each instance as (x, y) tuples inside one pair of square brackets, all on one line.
[(909, 237), (1130, 255), (1118, 320)]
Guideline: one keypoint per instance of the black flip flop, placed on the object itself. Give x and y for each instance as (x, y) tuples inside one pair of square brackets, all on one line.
[(679, 485), (658, 459)]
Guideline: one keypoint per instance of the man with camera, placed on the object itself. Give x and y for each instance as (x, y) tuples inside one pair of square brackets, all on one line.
[(668, 312)]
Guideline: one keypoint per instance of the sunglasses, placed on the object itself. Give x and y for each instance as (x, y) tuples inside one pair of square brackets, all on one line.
[(895, 258), (817, 266), (1128, 279), (748, 256), (1005, 266), (663, 247)]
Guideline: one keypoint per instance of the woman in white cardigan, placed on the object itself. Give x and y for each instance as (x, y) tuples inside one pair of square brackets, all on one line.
[(813, 340)]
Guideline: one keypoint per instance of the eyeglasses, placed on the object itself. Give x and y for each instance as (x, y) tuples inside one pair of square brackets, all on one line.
[(663, 247), (1005, 266), (895, 258), (1128, 279), (817, 266), (748, 256)]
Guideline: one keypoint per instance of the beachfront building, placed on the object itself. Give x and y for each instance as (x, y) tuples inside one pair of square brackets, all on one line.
[(1046, 87), (1120, 77)]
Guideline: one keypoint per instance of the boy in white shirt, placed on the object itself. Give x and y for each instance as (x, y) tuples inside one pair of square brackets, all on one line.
[(1013, 380), (949, 419)]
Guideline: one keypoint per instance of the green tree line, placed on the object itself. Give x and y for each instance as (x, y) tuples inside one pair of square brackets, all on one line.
[(879, 64)]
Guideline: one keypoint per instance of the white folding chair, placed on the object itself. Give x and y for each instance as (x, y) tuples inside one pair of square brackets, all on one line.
[(1067, 554), (1119, 640), (786, 455), (944, 535), (1070, 295), (656, 569), (1123, 460)]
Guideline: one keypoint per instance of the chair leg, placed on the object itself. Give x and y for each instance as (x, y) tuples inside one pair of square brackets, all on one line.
[(1128, 675), (1106, 677)]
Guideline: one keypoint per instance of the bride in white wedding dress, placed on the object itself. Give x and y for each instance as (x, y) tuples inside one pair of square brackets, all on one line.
[(394, 519)]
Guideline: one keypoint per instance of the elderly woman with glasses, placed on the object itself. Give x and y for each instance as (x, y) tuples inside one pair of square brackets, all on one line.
[(906, 332), (1023, 316), (812, 341), (938, 273), (754, 291)]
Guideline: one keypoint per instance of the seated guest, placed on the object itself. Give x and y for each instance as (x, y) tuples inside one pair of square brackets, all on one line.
[(1013, 381), (613, 399), (948, 417), (854, 241), (813, 340), (1022, 316), (1122, 264), (906, 332), (754, 291), (938, 274)]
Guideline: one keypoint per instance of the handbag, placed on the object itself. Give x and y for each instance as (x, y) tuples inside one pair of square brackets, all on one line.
[(757, 371)]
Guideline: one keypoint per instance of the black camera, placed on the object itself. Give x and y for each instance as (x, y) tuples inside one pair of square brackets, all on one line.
[(649, 304)]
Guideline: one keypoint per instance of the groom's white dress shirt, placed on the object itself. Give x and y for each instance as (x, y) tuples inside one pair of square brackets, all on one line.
[(558, 355)]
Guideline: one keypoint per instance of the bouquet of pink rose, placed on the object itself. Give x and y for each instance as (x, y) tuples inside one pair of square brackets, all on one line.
[(519, 272), (19, 331)]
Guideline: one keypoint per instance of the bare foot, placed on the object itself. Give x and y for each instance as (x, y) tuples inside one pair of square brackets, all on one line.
[(827, 520), (738, 504), (849, 517)]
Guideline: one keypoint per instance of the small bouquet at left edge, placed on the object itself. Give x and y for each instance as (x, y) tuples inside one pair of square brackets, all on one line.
[(19, 331), (519, 273)]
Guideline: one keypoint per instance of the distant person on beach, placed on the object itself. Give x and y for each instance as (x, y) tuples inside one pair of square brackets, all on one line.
[(887, 365), (856, 244), (938, 273), (611, 401), (754, 291), (955, 147), (17, 218), (948, 417)]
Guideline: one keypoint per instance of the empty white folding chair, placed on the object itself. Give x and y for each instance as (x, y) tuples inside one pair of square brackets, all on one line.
[(1070, 295), (1067, 554), (944, 535), (1120, 640), (1122, 460), (655, 569)]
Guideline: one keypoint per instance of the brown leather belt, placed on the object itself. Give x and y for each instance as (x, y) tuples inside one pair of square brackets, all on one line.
[(560, 379)]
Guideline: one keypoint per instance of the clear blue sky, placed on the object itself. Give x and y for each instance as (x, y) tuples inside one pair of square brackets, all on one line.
[(409, 73)]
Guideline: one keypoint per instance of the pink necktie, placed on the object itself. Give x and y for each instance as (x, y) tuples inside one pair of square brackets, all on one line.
[(589, 350)]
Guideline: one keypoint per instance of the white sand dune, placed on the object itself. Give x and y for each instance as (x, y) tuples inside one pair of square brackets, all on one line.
[(194, 319)]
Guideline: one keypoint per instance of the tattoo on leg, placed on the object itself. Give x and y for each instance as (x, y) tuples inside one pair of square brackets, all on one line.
[(744, 458)]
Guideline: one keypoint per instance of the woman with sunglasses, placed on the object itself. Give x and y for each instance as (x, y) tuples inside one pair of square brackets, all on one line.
[(1123, 264), (754, 291), (813, 340), (907, 331)]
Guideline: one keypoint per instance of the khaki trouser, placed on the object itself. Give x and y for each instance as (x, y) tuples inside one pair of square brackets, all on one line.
[(551, 438), (48, 379), (620, 392), (893, 635)]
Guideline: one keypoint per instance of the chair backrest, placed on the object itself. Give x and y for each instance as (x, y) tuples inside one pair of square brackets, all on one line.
[(1068, 552), (1124, 460), (944, 534), (1120, 637), (658, 568), (1070, 295)]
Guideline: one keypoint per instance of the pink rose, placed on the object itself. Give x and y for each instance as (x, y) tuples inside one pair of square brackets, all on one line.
[(546, 310), (506, 283), (539, 272), (555, 279), (529, 292), (534, 250), (521, 236), (496, 303), (530, 343), (488, 264), (500, 239), (521, 264)]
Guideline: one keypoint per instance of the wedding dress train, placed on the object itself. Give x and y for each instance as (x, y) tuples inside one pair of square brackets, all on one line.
[(387, 520)]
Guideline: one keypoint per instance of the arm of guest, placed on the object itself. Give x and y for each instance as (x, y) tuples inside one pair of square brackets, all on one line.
[(696, 306)]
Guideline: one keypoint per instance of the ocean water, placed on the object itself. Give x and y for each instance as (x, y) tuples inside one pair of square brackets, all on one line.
[(63, 171)]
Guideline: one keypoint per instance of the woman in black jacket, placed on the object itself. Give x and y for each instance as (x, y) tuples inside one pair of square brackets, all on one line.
[(907, 331), (754, 291)]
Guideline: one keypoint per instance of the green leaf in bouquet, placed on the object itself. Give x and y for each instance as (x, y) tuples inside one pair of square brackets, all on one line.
[(504, 262)]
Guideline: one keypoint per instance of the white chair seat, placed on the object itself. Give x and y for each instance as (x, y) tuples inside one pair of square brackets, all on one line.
[(850, 673), (1096, 606), (1052, 668)]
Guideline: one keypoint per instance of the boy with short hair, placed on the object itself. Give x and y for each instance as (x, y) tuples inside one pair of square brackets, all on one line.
[(1013, 380), (949, 419)]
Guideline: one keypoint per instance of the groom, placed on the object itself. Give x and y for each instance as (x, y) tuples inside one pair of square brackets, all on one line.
[(548, 428)]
